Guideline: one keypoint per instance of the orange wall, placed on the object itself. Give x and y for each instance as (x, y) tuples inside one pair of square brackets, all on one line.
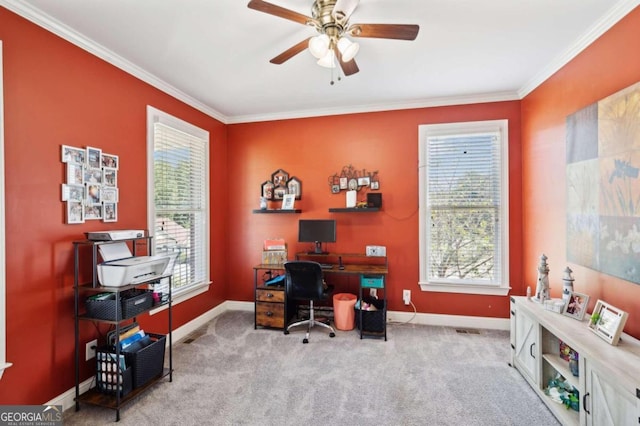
[(314, 149), (56, 93), (610, 64)]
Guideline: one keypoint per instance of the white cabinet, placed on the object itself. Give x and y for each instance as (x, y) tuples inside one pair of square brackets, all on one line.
[(607, 403), (608, 380), (526, 346)]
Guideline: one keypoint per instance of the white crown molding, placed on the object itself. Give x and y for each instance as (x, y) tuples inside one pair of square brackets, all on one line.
[(45, 21), (615, 14), (425, 103)]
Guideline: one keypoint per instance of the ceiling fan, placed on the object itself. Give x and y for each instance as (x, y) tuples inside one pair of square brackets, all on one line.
[(331, 19)]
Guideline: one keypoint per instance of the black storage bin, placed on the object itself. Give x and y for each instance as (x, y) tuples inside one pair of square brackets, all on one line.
[(146, 359), (372, 320), (110, 376), (132, 303)]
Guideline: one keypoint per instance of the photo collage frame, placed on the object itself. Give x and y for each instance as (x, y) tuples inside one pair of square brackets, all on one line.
[(91, 188)]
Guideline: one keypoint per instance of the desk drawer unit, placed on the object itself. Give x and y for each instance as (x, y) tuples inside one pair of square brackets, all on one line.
[(270, 295), (270, 314)]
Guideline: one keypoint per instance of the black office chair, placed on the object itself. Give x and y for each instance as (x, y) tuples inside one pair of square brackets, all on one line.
[(304, 282)]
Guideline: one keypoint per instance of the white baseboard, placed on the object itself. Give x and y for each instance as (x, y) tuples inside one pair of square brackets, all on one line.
[(67, 399)]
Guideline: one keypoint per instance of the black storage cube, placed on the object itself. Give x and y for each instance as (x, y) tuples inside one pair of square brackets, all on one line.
[(146, 359), (372, 320), (110, 375), (132, 303)]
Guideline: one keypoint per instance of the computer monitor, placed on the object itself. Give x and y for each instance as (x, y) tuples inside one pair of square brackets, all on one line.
[(317, 231)]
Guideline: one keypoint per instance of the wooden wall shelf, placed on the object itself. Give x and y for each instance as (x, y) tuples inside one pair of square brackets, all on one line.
[(277, 211), (355, 210)]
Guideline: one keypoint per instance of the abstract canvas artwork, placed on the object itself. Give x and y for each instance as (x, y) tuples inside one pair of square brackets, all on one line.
[(603, 185)]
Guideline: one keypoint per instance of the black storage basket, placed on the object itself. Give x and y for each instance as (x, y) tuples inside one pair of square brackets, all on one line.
[(110, 377), (147, 361), (132, 303), (372, 321)]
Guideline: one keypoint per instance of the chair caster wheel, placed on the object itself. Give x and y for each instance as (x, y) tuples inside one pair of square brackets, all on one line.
[(286, 332), (305, 340), (332, 334)]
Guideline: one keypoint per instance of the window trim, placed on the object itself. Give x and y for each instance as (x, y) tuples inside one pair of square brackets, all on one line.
[(155, 115), (3, 270), (446, 129)]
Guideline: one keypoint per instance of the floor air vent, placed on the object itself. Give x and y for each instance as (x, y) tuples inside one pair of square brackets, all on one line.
[(467, 331)]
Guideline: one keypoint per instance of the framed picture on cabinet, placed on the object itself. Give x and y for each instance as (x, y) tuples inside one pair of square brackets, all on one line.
[(607, 321), (577, 305)]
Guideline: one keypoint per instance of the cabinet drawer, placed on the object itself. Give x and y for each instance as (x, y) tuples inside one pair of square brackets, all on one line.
[(372, 281), (269, 295), (270, 314)]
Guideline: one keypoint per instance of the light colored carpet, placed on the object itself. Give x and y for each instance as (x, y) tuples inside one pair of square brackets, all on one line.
[(232, 374)]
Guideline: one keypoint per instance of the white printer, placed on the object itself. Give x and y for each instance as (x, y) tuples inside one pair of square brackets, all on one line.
[(120, 268)]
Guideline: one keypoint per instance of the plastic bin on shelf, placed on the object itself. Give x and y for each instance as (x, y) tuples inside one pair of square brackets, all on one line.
[(343, 314)]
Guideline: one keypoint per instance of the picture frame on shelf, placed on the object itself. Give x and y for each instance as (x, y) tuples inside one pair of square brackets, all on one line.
[(576, 306), (607, 321), (280, 178), (288, 201), (71, 154), (294, 186)]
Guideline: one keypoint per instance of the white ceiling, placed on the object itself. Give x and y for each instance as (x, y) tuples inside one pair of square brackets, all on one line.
[(214, 54)]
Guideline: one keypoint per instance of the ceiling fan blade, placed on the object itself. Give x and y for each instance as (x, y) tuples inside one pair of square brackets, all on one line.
[(343, 9), (348, 68), (394, 31), (290, 52), (281, 12)]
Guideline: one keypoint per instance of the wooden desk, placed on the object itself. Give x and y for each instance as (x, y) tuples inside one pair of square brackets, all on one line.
[(272, 309)]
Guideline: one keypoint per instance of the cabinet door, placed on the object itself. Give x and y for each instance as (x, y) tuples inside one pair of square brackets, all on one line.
[(608, 404), (527, 351)]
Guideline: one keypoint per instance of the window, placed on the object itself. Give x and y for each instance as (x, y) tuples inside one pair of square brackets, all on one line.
[(178, 204), (464, 223)]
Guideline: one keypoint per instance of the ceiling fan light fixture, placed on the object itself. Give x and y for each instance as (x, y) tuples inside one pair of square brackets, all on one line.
[(327, 60), (319, 45), (348, 49)]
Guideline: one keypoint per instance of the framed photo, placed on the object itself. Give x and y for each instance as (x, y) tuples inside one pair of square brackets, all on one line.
[(335, 189), (375, 184), (109, 195), (109, 161), (72, 193), (364, 181), (279, 193), (607, 321), (75, 212), (266, 190), (344, 182), (110, 178), (294, 186), (110, 212), (93, 157), (75, 174), (93, 176), (280, 178), (93, 212), (288, 200), (93, 195), (71, 154), (352, 185), (577, 305)]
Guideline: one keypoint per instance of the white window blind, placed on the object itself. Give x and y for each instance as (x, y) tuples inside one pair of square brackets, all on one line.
[(464, 186), (180, 200)]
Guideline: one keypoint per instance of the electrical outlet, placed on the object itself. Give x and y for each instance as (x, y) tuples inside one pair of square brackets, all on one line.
[(406, 296), (373, 292), (90, 349)]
